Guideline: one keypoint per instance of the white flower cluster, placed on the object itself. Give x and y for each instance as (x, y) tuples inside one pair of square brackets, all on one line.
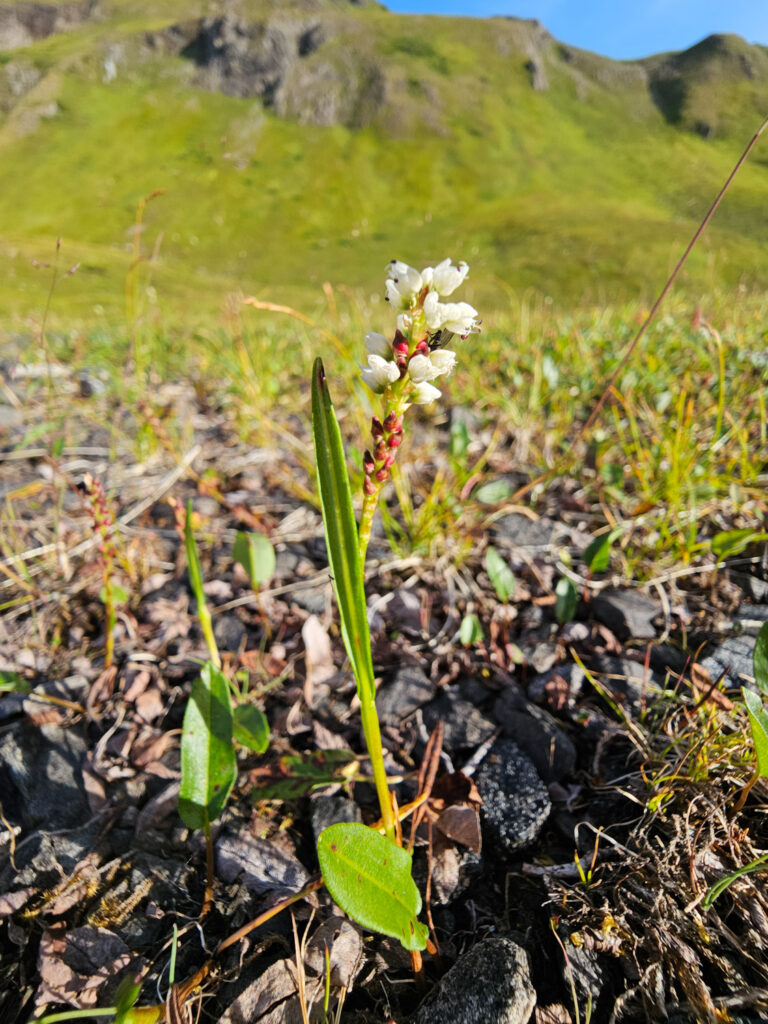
[(416, 297)]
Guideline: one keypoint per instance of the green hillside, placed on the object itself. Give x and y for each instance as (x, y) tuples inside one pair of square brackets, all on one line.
[(304, 142)]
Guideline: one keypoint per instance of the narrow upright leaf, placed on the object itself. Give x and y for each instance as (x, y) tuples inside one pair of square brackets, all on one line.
[(758, 721), (597, 554), (370, 879), (256, 555), (567, 600), (208, 763), (341, 532), (760, 659), (470, 630)]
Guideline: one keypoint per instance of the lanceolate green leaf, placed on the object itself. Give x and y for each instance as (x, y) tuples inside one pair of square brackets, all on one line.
[(341, 531), (208, 763), (500, 575), (370, 879), (251, 728), (758, 720), (255, 553), (760, 659)]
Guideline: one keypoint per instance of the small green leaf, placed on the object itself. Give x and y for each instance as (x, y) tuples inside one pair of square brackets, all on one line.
[(341, 534), (459, 442), (501, 576), (57, 447), (119, 594), (126, 995), (294, 776), (208, 763), (256, 555), (494, 492), (567, 600), (251, 728), (758, 721), (193, 559), (470, 630), (733, 542), (597, 554), (760, 659), (370, 879), (12, 682)]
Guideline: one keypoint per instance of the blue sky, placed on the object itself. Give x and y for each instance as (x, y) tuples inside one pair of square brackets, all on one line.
[(618, 28)]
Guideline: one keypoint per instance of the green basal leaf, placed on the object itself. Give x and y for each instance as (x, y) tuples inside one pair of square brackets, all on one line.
[(760, 659), (501, 576), (567, 600), (459, 442), (208, 763), (12, 682), (255, 553), (370, 879), (493, 492), (341, 532), (733, 542), (251, 728), (127, 993), (758, 721), (597, 554), (470, 630), (294, 776)]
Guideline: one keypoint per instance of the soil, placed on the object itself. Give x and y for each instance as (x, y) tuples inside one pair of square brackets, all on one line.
[(586, 798)]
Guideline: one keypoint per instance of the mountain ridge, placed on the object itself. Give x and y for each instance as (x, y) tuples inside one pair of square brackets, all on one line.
[(296, 117)]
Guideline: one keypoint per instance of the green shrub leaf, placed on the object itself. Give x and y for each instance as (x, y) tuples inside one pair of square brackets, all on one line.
[(255, 553), (370, 879), (470, 630), (758, 721), (208, 764), (494, 492), (251, 728), (295, 776), (760, 659), (341, 532), (501, 576), (597, 554)]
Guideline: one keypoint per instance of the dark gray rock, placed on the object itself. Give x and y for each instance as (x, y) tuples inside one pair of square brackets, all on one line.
[(583, 968), (229, 632), (44, 858), (260, 865), (464, 725), (329, 810), (515, 800), (490, 984), (734, 658), (628, 682), (561, 684), (523, 532), (408, 690), (41, 777), (538, 735), (626, 613)]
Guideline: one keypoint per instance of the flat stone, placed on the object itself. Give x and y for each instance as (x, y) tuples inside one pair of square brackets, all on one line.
[(734, 658), (522, 532), (41, 776), (538, 735), (261, 866), (330, 810), (628, 614), (515, 800), (490, 984), (464, 725), (404, 693)]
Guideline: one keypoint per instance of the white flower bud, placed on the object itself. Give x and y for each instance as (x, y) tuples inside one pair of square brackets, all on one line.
[(420, 368), (443, 360), (424, 393), (379, 373), (378, 345)]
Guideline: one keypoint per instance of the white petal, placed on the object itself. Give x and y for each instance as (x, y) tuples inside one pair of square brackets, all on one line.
[(446, 279), (378, 345), (443, 361), (406, 281), (379, 373), (404, 323), (433, 312), (424, 393), (459, 317), (420, 368)]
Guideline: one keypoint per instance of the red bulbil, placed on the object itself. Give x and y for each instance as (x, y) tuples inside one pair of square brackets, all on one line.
[(382, 474), (389, 461), (381, 451), (377, 427), (369, 487), (368, 464), (395, 440)]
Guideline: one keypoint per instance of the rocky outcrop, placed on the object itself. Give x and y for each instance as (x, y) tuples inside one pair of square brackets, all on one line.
[(23, 24), (281, 62)]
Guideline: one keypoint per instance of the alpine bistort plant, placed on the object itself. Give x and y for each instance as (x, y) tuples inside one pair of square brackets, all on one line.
[(369, 874)]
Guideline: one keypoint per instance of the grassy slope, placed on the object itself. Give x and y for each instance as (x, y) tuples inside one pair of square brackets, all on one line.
[(587, 198)]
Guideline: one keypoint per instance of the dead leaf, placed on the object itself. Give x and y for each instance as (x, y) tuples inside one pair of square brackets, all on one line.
[(319, 660), (462, 825), (74, 965)]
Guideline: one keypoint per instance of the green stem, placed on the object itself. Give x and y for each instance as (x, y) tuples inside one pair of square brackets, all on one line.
[(372, 732)]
